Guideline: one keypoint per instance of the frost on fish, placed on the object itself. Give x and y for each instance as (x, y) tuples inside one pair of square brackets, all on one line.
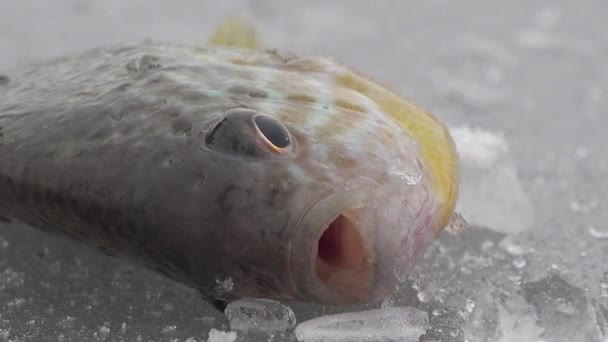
[(385, 325)]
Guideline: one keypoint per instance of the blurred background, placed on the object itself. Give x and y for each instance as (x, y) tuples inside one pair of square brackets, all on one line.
[(523, 87)]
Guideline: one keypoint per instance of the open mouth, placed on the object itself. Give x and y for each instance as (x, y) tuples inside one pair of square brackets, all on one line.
[(340, 253), (332, 258)]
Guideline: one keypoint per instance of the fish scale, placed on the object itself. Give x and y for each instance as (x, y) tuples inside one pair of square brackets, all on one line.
[(291, 177)]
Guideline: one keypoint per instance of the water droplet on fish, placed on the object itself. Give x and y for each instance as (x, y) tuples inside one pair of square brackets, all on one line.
[(519, 262), (598, 234), (123, 328), (143, 63)]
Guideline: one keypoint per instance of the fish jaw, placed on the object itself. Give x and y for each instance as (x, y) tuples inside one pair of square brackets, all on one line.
[(357, 245)]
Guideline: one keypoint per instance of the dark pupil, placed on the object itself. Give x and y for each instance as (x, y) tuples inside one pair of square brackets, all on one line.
[(273, 130)]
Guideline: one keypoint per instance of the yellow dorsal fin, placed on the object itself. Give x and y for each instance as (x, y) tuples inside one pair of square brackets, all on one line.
[(236, 32)]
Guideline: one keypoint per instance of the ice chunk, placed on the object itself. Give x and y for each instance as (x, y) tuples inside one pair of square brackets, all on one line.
[(259, 314), (564, 310), (496, 320), (491, 194), (221, 336), (385, 325)]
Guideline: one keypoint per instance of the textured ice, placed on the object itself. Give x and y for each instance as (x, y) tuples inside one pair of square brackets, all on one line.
[(380, 325), (495, 320), (250, 314), (491, 193)]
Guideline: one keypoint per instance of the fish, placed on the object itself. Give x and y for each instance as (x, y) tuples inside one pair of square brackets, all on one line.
[(234, 169)]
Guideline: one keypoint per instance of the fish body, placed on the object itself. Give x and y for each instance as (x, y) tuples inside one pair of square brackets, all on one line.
[(235, 170)]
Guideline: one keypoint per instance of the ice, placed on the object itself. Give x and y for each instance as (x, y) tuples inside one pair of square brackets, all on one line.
[(494, 320), (564, 310), (4, 334), (491, 194), (104, 331), (380, 325), (598, 234), (169, 329), (221, 336), (249, 314)]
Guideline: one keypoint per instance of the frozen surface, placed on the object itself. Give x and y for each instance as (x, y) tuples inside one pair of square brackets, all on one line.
[(398, 324), (249, 314), (489, 176), (525, 82)]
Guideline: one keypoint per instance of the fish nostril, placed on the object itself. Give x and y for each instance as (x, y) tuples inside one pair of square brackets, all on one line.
[(211, 136), (274, 131)]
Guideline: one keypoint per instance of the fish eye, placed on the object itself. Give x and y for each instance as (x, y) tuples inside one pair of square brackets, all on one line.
[(249, 133), (273, 130)]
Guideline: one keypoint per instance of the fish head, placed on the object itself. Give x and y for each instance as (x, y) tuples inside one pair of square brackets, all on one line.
[(344, 193)]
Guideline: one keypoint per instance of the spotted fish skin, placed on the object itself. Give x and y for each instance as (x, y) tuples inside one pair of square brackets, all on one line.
[(151, 152)]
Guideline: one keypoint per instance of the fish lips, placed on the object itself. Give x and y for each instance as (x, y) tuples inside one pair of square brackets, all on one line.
[(332, 256)]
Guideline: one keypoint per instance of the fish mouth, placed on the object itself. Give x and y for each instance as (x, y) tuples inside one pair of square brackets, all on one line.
[(333, 252)]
